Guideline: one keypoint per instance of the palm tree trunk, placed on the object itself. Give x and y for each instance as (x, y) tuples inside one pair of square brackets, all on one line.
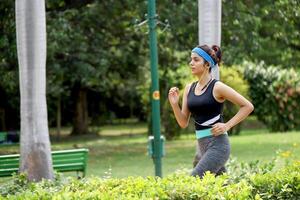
[(209, 13), (31, 46)]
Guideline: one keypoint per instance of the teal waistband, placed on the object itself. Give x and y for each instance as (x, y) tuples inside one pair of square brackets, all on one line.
[(203, 133)]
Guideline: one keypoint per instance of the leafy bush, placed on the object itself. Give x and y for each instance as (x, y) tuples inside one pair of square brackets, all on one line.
[(276, 95), (283, 184), (243, 170), (233, 77), (261, 183)]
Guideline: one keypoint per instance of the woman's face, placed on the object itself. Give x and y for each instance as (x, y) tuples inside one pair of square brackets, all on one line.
[(197, 64)]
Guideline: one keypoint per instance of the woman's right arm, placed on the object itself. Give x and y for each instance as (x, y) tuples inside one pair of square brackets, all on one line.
[(182, 115)]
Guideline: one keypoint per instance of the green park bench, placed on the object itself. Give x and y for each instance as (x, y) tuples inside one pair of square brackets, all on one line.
[(63, 161), (9, 137), (3, 137)]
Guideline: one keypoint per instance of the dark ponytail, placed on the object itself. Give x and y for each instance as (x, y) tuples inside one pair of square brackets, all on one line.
[(215, 52), (218, 54)]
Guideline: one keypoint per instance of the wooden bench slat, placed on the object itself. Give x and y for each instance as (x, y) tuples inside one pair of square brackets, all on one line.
[(68, 162), (69, 151), (74, 165), (3, 157), (9, 166), (9, 161), (8, 172), (68, 157)]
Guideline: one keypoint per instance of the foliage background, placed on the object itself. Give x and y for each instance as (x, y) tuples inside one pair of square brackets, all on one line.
[(98, 60)]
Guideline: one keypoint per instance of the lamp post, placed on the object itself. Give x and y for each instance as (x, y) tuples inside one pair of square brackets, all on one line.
[(155, 97)]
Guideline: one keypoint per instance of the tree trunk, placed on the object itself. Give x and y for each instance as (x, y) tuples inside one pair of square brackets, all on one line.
[(80, 123), (209, 13), (35, 149)]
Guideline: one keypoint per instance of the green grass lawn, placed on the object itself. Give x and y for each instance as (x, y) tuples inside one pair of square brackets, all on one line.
[(121, 151)]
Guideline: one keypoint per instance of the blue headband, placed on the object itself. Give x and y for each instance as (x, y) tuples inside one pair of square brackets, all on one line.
[(204, 55)]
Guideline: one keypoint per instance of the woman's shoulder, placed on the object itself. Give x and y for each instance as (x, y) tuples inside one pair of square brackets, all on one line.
[(219, 85)]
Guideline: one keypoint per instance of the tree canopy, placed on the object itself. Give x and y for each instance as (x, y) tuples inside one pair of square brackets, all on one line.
[(98, 60)]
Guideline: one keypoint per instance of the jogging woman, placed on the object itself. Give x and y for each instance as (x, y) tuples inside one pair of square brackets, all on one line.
[(204, 99)]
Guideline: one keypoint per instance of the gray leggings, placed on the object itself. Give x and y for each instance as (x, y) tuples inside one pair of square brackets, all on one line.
[(212, 156)]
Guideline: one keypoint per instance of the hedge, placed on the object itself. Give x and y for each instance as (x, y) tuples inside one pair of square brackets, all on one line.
[(281, 184)]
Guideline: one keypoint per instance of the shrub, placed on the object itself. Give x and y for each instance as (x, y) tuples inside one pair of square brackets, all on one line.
[(243, 170), (283, 184), (275, 93), (280, 184)]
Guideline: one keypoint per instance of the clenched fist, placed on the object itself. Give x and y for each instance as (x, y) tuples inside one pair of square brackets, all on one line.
[(173, 96), (219, 128)]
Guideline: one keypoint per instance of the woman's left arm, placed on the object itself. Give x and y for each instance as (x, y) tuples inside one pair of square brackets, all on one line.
[(223, 92)]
